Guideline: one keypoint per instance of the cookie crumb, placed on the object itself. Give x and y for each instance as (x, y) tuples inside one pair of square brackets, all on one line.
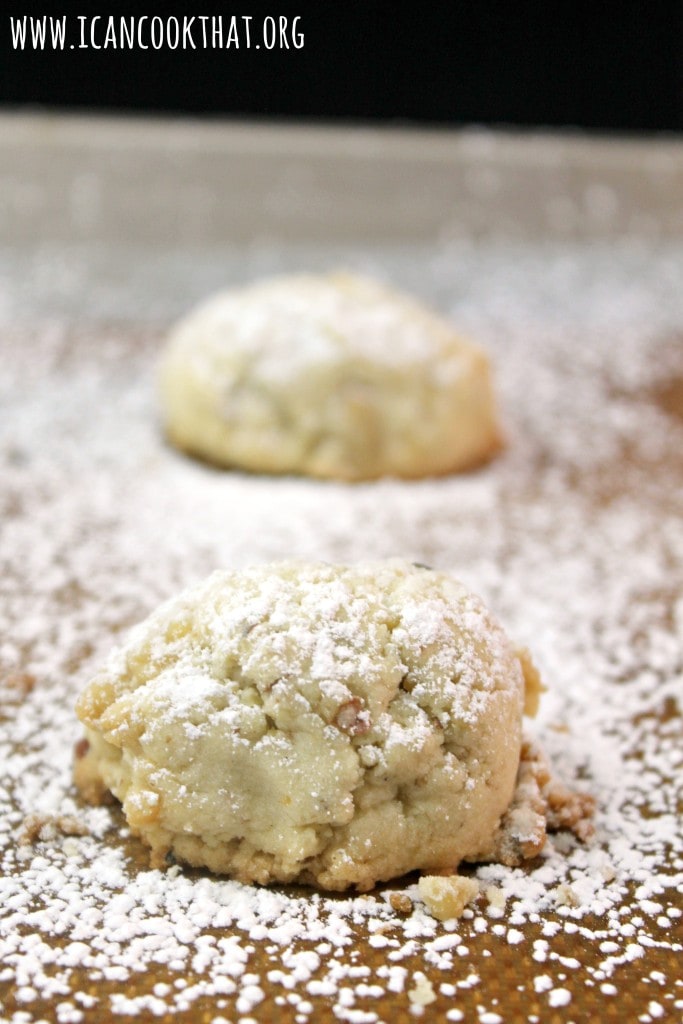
[(570, 810), (401, 903), (446, 896), (496, 899), (541, 804), (565, 896), (45, 827)]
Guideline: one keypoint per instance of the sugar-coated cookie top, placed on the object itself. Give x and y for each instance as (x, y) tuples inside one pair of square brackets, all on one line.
[(290, 322), (326, 633), (333, 376)]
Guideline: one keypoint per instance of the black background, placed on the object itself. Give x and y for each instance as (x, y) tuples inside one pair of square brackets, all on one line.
[(608, 66)]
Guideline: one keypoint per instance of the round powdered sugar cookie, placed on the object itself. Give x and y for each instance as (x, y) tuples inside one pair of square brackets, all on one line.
[(307, 722), (331, 376)]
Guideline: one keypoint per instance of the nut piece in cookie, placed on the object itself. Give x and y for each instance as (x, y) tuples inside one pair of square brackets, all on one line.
[(329, 376), (332, 725)]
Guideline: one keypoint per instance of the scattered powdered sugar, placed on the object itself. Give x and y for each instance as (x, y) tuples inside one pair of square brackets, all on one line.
[(573, 536)]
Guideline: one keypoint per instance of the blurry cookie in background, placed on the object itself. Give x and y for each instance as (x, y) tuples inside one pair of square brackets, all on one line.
[(334, 377)]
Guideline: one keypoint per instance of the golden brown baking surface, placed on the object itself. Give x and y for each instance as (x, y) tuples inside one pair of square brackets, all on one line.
[(526, 957), (562, 256)]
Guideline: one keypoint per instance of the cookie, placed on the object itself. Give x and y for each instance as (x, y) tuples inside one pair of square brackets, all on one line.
[(328, 376), (305, 722)]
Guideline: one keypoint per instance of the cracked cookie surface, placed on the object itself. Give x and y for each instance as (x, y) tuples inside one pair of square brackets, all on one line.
[(332, 725)]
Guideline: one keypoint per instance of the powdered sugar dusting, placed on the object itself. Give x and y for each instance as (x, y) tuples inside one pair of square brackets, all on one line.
[(318, 320), (573, 536)]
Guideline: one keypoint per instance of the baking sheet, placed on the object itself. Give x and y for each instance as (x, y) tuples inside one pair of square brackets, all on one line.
[(564, 257)]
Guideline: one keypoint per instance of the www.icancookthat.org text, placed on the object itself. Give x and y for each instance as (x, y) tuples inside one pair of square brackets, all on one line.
[(147, 32)]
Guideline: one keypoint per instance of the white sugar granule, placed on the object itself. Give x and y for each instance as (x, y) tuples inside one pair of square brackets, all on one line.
[(559, 997), (578, 552)]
